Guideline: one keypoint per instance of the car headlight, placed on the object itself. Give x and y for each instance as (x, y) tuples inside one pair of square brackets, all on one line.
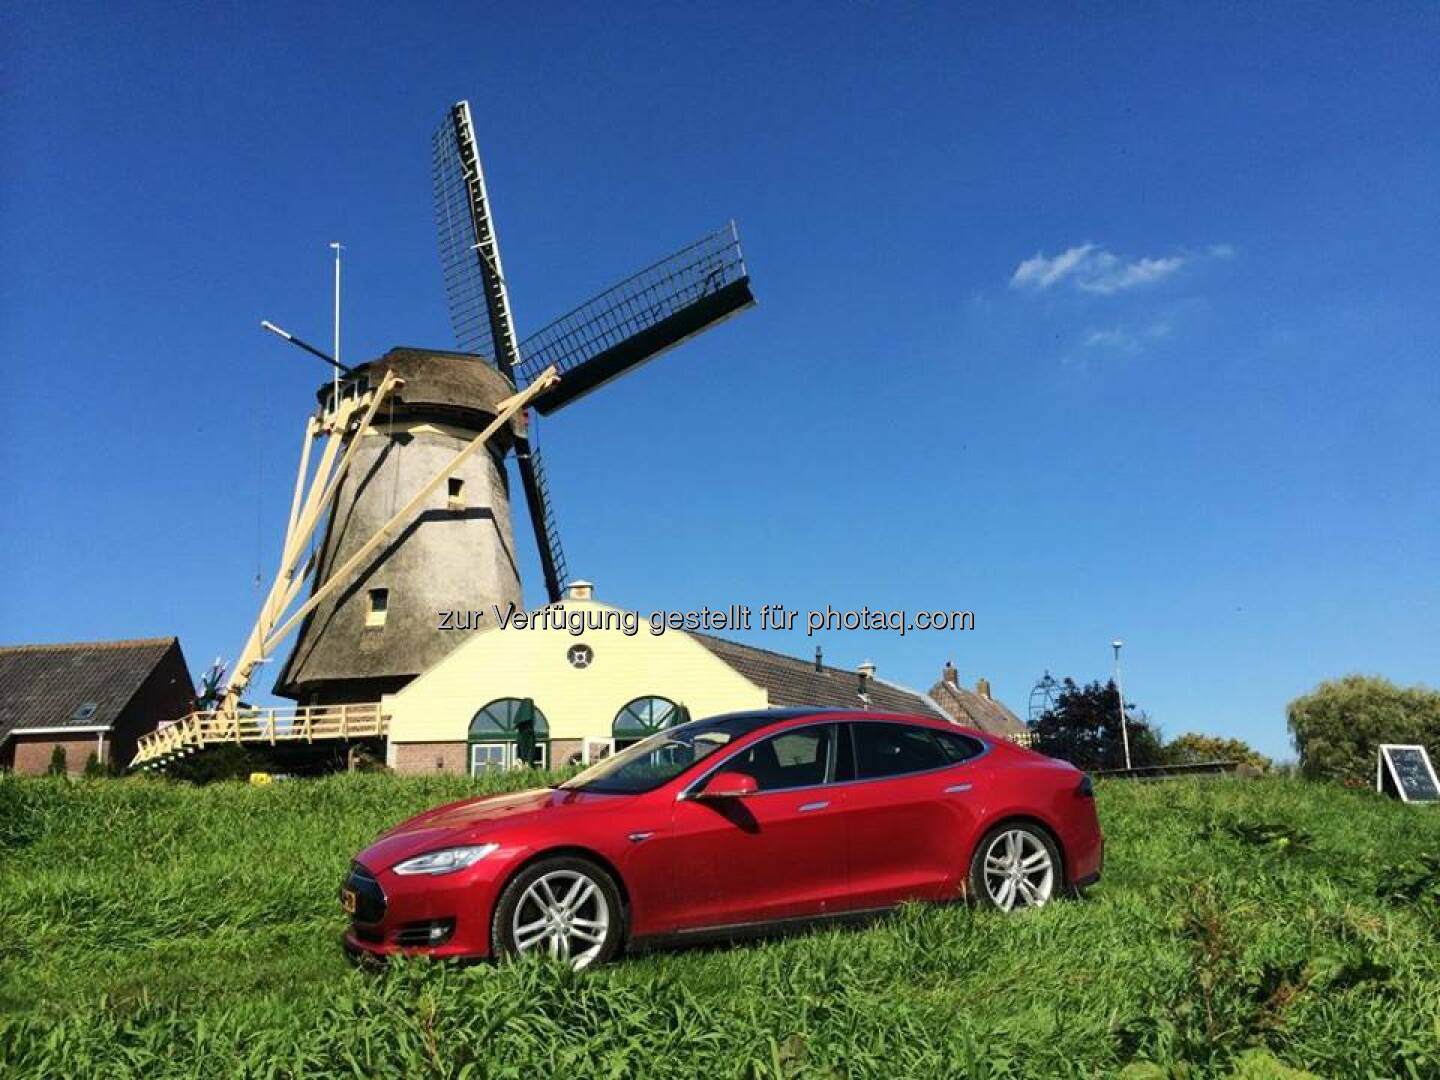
[(446, 861)]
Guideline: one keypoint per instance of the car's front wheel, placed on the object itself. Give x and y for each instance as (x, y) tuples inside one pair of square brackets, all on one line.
[(1015, 866), (563, 907)]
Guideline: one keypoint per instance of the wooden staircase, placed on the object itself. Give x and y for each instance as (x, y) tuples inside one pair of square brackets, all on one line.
[(259, 727)]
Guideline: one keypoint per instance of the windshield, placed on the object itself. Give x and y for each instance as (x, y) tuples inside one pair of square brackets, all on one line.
[(664, 755)]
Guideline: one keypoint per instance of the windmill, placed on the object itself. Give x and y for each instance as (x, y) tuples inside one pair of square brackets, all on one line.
[(409, 497)]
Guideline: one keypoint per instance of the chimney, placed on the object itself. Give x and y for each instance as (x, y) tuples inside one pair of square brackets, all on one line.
[(866, 671), (949, 674), (982, 687), (580, 590), (819, 659)]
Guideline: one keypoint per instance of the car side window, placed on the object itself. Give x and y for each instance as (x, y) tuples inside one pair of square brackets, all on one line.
[(890, 749), (799, 757), (957, 747)]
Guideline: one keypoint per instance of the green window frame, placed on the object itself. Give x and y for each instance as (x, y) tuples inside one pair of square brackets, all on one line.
[(642, 717), (495, 723)]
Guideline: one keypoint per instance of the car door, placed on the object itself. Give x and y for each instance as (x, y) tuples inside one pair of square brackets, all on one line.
[(776, 854), (909, 818)]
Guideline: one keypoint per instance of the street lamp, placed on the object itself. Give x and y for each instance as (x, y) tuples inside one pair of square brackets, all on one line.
[(1124, 732)]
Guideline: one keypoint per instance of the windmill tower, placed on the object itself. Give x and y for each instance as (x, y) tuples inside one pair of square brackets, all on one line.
[(457, 552), (411, 487)]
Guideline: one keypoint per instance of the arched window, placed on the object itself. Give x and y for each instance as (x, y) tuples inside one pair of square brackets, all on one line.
[(642, 718), (493, 734)]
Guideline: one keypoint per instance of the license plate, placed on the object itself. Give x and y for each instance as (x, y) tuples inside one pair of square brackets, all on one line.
[(347, 900)]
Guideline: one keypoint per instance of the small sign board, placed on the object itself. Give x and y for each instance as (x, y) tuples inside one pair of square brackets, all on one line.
[(1406, 771)]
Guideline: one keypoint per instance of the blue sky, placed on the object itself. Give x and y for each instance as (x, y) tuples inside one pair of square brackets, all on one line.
[(1096, 326)]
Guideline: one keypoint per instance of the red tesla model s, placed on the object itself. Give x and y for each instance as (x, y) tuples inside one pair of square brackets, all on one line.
[(728, 825)]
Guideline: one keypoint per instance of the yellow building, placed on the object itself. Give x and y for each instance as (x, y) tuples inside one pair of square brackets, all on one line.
[(598, 678)]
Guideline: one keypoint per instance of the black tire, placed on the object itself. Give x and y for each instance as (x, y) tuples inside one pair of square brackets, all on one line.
[(1035, 839), (503, 943)]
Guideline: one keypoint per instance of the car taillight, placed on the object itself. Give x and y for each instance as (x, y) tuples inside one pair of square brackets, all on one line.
[(1086, 790)]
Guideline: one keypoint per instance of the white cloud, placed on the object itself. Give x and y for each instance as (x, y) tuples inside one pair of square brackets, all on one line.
[(1114, 338), (1111, 275), (1123, 339), (1039, 272), (1090, 268)]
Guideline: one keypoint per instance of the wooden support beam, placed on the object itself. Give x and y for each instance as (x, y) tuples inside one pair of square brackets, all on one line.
[(307, 506), (309, 437), (388, 384)]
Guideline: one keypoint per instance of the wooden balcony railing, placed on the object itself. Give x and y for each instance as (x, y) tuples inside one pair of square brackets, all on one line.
[(265, 726)]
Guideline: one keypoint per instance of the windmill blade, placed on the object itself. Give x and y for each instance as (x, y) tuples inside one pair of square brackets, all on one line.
[(542, 519), (469, 249), (640, 318), (480, 304)]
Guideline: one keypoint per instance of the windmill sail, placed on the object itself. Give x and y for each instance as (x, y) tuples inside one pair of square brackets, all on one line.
[(469, 251), (620, 329), (638, 319), (480, 304)]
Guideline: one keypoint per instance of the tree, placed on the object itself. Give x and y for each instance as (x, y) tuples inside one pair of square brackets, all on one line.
[(1083, 728), (1338, 727), (1193, 749), (94, 767), (58, 765)]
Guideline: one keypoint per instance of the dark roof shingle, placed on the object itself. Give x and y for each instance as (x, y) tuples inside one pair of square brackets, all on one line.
[(790, 681), (44, 686)]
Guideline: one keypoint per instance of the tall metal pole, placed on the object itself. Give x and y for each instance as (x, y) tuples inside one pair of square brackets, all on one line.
[(1124, 727), (335, 385)]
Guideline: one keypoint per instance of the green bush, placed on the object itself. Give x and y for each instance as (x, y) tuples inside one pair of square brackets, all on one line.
[(1338, 727), (154, 929), (1193, 749), (218, 763), (58, 765)]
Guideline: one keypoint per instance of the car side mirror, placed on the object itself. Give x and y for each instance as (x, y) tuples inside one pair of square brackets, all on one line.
[(728, 785)]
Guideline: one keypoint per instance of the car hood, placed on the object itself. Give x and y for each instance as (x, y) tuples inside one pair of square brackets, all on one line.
[(473, 821)]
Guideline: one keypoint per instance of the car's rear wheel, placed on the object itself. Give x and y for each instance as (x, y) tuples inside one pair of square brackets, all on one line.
[(1016, 866), (563, 907)]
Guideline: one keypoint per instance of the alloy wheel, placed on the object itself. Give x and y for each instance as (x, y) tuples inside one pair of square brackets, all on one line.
[(1019, 870), (563, 913)]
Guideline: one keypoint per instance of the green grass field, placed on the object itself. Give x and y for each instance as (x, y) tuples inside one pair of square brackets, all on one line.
[(1243, 928)]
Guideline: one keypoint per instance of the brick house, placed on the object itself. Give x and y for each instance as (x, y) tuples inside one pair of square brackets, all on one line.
[(89, 697), (975, 708)]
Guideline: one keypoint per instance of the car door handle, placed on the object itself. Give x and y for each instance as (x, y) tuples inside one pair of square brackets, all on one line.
[(956, 789), (805, 808)]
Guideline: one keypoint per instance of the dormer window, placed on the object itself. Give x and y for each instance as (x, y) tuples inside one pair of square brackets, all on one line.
[(378, 608), (84, 712)]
